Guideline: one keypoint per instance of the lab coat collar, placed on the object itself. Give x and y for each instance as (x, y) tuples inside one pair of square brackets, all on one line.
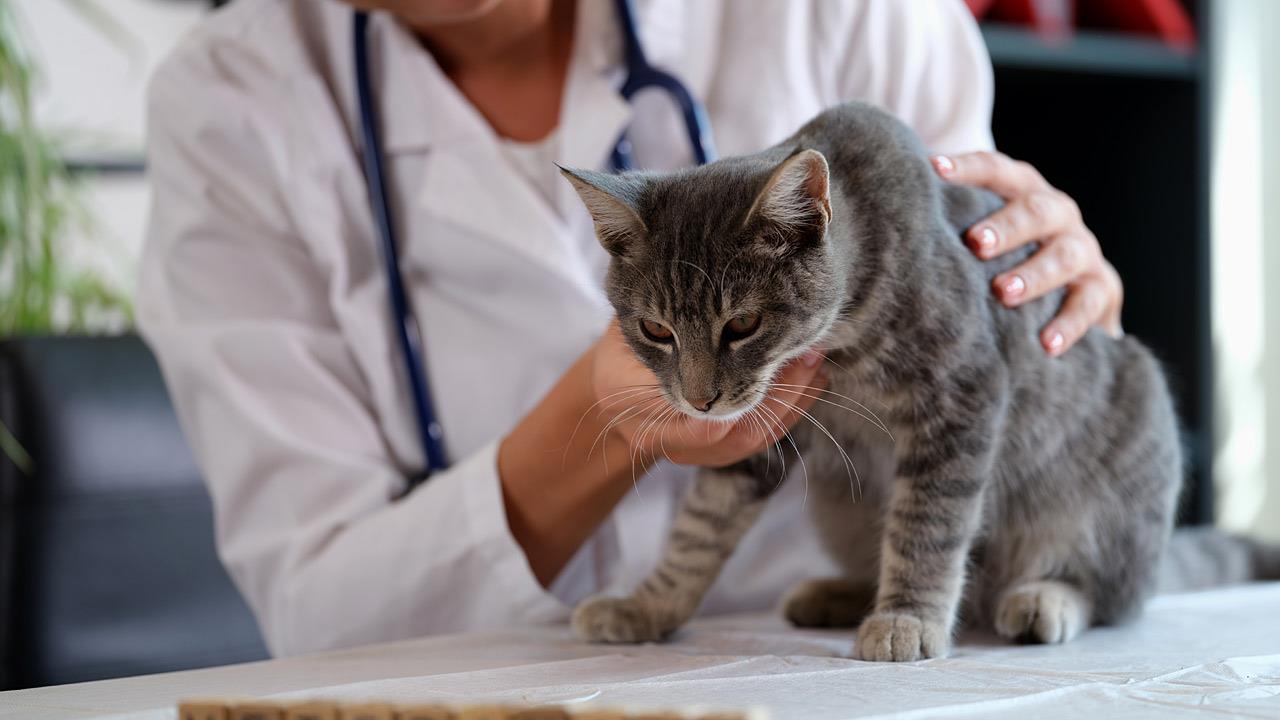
[(501, 207), (419, 106), (592, 112)]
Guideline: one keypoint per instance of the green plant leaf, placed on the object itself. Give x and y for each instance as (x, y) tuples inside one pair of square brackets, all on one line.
[(13, 450), (40, 203)]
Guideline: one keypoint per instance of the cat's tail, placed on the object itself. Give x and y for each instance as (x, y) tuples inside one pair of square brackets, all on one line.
[(1206, 557)]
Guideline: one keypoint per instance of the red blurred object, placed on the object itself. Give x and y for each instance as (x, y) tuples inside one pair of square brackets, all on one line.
[(1051, 17), (979, 7), (1166, 19)]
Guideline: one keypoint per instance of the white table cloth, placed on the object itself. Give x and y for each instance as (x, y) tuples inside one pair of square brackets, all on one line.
[(1213, 654)]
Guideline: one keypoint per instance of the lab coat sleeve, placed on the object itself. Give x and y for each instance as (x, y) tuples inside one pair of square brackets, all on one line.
[(277, 410), (923, 60)]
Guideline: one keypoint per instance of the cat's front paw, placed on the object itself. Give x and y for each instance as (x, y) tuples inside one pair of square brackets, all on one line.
[(900, 637), (615, 620)]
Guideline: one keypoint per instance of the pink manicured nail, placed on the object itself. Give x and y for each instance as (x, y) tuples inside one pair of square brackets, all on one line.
[(943, 165), (986, 240), (1013, 287), (812, 358), (1056, 341)]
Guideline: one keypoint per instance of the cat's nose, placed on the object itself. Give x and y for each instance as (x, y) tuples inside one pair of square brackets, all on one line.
[(704, 403)]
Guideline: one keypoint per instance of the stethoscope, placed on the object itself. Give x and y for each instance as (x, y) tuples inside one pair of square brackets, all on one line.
[(640, 75)]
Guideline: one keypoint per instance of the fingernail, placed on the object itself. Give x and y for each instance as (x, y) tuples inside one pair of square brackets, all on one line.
[(1012, 287), (812, 358), (943, 165), (1056, 341), (985, 241)]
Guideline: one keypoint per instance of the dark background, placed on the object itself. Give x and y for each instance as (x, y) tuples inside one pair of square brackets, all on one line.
[(1121, 125)]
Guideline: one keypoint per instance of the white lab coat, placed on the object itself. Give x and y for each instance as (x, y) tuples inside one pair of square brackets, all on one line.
[(262, 294)]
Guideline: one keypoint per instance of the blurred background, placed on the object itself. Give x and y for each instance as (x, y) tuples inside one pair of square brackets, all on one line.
[(1160, 117)]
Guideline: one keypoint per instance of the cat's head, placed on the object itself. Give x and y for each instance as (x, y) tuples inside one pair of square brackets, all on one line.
[(720, 274)]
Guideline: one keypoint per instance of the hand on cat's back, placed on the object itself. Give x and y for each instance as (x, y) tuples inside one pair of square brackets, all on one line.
[(628, 396), (1069, 256)]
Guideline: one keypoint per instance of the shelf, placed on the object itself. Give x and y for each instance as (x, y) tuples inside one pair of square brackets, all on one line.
[(1092, 52), (123, 163)]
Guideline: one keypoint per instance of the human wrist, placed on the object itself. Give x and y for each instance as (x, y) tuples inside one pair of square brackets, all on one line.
[(562, 470)]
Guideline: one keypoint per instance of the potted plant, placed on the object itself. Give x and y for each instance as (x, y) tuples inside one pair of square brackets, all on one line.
[(40, 204)]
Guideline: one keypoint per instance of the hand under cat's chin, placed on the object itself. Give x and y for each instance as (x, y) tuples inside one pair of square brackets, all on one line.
[(657, 425)]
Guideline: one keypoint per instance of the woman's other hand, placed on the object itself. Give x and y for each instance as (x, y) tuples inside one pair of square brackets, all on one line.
[(1069, 255)]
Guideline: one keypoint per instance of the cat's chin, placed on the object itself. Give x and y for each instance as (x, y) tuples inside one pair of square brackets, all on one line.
[(718, 416)]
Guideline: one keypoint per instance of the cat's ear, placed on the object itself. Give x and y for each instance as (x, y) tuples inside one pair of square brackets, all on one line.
[(611, 200), (795, 204)]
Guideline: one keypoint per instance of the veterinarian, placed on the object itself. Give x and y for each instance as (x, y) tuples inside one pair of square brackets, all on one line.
[(264, 290)]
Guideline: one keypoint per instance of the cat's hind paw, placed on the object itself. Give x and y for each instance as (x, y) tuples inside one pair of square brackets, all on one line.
[(900, 637), (615, 620), (1047, 611), (828, 602)]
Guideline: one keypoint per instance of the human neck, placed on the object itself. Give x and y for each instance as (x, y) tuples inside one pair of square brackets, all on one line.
[(511, 37), (510, 63)]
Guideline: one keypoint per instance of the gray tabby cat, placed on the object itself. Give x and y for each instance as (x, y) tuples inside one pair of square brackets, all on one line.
[(1055, 478)]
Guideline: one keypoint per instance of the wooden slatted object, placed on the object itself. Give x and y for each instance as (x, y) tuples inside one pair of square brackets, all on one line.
[(327, 710)]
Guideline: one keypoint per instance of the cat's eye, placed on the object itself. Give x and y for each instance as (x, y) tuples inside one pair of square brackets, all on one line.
[(741, 326), (656, 331)]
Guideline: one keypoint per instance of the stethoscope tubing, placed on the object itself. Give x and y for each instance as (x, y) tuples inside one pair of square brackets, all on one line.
[(431, 434), (640, 76)]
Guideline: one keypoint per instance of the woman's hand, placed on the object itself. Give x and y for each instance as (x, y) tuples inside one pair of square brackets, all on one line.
[(1069, 254), (634, 408), (577, 452)]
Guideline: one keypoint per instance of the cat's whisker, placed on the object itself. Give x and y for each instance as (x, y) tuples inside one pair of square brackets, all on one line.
[(650, 427), (637, 451), (647, 429), (662, 433), (695, 266), (756, 423), (873, 419), (621, 417), (751, 418), (767, 430), (849, 465), (614, 403), (629, 391), (613, 399), (799, 455), (827, 358), (725, 269), (622, 414), (657, 427)]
